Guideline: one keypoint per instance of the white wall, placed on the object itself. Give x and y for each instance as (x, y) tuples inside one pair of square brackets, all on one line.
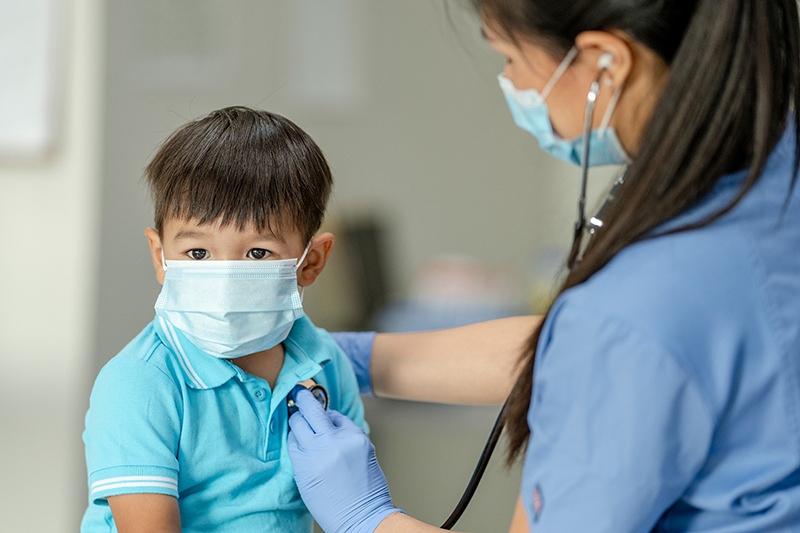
[(49, 217)]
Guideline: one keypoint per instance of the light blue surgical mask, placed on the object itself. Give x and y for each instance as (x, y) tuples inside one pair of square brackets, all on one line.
[(230, 309), (530, 112)]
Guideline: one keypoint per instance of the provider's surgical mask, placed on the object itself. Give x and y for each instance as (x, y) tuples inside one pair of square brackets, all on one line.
[(593, 148), (230, 309), (530, 112)]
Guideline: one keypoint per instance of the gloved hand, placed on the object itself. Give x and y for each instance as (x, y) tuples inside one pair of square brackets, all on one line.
[(335, 469), (357, 346)]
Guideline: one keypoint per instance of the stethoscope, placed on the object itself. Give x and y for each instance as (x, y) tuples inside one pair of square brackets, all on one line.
[(595, 223), (319, 392)]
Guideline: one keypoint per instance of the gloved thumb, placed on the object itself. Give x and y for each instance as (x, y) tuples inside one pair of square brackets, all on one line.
[(311, 410)]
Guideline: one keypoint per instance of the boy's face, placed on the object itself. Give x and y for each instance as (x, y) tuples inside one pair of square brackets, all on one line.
[(183, 240)]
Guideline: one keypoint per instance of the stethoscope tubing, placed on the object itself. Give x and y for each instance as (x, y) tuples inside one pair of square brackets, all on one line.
[(574, 257), (483, 462)]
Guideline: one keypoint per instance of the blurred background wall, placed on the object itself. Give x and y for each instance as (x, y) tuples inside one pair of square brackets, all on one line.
[(460, 209), (49, 212)]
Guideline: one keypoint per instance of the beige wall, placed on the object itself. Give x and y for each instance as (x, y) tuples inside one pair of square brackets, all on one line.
[(49, 215)]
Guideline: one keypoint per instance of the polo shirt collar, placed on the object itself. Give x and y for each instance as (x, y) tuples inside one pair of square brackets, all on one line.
[(305, 355), (200, 370)]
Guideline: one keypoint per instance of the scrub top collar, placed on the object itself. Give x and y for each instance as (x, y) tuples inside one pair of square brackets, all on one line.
[(305, 356)]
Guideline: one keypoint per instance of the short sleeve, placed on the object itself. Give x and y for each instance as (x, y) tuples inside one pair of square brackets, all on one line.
[(347, 398), (132, 431), (357, 346), (618, 430)]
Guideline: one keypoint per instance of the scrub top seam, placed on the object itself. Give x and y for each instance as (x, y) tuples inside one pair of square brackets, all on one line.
[(760, 270)]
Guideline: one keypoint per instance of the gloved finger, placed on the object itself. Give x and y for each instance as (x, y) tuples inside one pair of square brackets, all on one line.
[(292, 443), (301, 430), (296, 450), (341, 421), (312, 411)]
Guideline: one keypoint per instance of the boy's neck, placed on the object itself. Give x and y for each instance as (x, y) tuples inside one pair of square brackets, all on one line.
[(265, 365)]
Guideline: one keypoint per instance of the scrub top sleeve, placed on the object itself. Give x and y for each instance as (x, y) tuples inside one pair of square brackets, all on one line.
[(347, 399), (350, 402), (357, 346), (618, 430), (132, 431)]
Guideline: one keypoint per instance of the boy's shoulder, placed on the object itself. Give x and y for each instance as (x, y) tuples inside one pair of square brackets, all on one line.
[(144, 355)]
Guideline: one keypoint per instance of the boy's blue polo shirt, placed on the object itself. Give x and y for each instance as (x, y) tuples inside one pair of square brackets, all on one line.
[(167, 418)]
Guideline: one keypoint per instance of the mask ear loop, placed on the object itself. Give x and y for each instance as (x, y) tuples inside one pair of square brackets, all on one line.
[(299, 263), (562, 68), (163, 261), (612, 105), (591, 99), (605, 62)]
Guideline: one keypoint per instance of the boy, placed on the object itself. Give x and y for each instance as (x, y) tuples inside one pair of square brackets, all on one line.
[(187, 425)]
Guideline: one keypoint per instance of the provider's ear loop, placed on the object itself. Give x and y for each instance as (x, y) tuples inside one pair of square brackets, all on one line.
[(603, 63), (562, 68)]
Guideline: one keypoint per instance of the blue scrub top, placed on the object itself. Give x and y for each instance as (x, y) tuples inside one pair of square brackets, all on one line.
[(666, 390)]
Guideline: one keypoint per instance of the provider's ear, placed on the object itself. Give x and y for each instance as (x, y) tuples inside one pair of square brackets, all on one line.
[(317, 256), (155, 251), (595, 44)]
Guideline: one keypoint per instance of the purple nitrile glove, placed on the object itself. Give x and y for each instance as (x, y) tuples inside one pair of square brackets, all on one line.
[(358, 348), (335, 468)]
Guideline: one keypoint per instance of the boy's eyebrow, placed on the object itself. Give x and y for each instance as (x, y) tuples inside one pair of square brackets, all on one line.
[(190, 234), (194, 234)]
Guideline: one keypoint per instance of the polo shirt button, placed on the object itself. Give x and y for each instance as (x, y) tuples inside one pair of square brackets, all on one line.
[(259, 395), (273, 426)]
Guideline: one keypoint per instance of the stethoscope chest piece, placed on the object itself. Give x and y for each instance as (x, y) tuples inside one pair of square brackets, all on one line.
[(319, 392)]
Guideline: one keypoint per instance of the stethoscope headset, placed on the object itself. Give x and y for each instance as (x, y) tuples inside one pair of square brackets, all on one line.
[(573, 259)]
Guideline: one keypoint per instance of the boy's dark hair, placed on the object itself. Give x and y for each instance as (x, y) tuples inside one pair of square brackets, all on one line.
[(238, 166)]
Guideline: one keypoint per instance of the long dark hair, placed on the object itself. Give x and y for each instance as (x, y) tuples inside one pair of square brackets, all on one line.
[(734, 77)]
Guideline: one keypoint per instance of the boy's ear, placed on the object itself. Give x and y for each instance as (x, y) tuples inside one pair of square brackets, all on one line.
[(317, 256), (155, 251)]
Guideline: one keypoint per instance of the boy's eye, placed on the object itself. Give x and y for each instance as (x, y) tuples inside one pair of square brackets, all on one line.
[(258, 253), (198, 254)]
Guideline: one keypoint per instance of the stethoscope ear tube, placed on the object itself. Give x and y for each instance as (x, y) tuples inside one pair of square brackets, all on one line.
[(483, 462), (580, 223)]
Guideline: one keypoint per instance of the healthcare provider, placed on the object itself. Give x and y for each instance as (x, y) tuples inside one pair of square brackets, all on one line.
[(662, 390)]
